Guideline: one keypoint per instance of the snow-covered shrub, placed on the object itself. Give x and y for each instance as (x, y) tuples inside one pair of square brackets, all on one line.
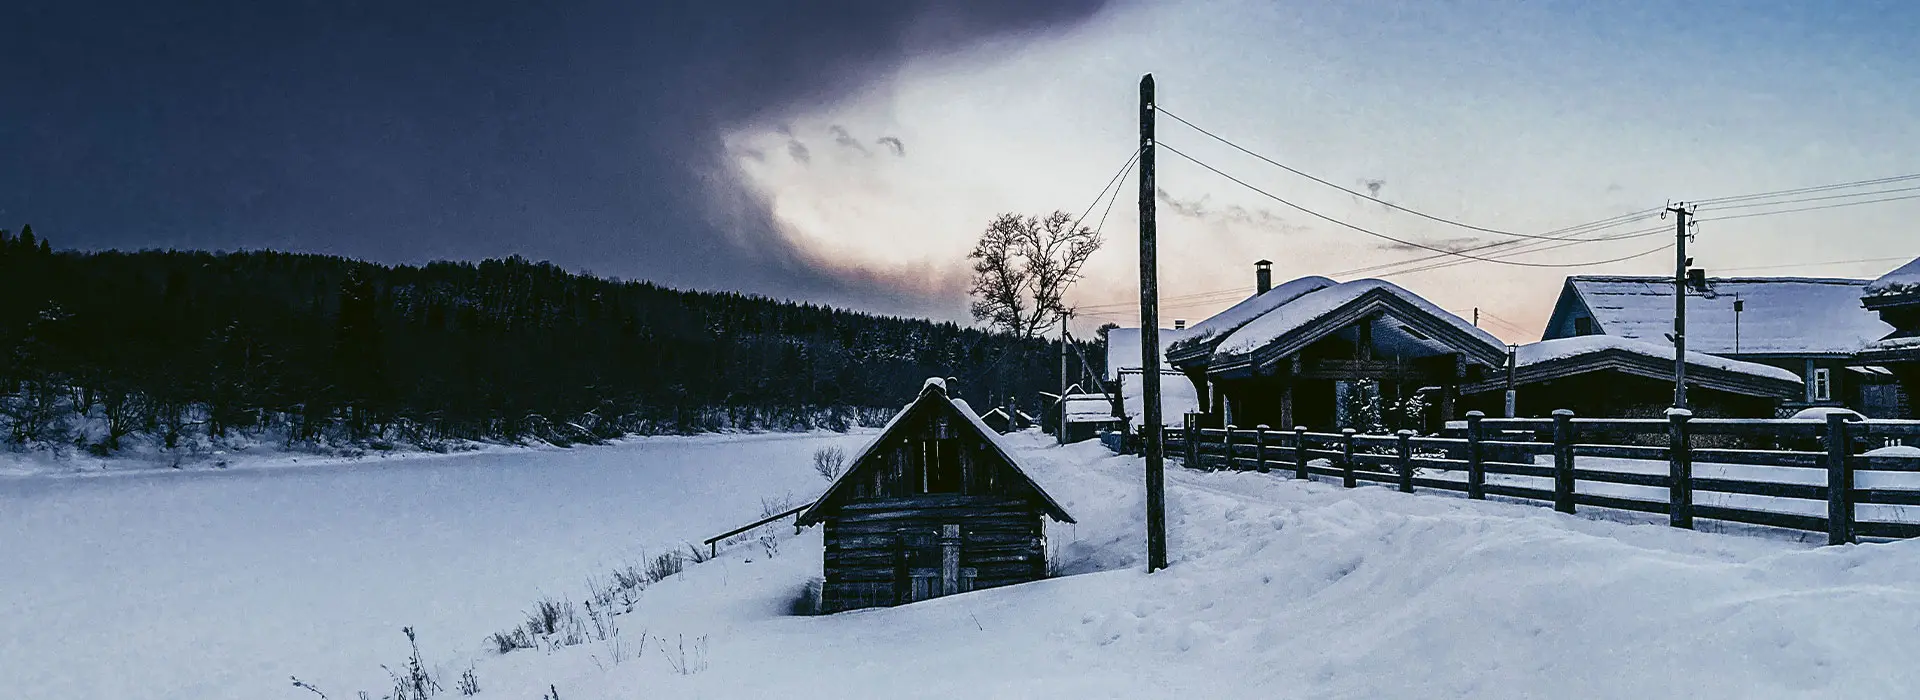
[(412, 681), (685, 660)]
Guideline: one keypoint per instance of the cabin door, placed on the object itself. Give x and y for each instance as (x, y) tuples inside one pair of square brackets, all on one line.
[(930, 564)]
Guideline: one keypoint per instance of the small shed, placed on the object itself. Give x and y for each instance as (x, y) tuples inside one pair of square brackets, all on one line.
[(933, 506), (998, 420)]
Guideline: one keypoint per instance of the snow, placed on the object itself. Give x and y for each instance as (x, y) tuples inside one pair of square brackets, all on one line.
[(210, 585), (1295, 589), (1314, 305), (1902, 280), (1088, 408), (218, 584), (1230, 320), (1820, 413), (1123, 348), (1894, 451), (1177, 398), (1785, 315), (1567, 348)]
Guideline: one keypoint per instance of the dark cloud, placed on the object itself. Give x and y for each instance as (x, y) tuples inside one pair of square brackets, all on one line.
[(1449, 244), (846, 140), (893, 144), (799, 152), (582, 132), (1199, 209)]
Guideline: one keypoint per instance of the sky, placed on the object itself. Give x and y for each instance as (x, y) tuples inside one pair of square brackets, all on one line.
[(850, 152)]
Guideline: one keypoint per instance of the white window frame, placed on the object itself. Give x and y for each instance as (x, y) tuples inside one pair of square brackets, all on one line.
[(1822, 381)]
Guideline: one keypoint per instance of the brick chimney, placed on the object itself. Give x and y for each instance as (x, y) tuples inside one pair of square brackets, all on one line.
[(1263, 276)]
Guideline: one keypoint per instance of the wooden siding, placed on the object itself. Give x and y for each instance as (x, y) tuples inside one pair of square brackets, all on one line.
[(873, 546)]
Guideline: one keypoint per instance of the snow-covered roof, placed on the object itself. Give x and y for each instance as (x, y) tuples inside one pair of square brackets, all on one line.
[(1568, 348), (1782, 315), (1123, 348), (1177, 398), (1088, 408), (1313, 306), (1226, 322), (1903, 280), (933, 390)]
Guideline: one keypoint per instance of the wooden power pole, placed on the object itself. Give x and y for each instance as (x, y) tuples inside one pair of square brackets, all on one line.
[(1060, 432), (1680, 262), (1150, 343)]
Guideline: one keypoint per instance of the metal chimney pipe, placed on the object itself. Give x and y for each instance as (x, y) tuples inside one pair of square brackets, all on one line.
[(1263, 276)]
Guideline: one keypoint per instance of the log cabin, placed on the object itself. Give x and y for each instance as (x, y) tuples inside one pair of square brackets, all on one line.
[(933, 506)]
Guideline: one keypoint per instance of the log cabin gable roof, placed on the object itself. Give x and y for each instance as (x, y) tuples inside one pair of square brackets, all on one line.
[(933, 401), (1364, 308), (1625, 362)]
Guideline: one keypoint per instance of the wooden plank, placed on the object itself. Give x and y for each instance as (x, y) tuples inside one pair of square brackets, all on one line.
[(1620, 503), (1517, 423), (1755, 428), (1652, 454), (1440, 463), (1839, 479), (1889, 429), (1375, 440), (1563, 432), (1887, 464), (1874, 528), (1765, 458), (1517, 469), (1760, 517), (1441, 484), (1530, 446), (1512, 491), (1655, 480), (1761, 488), (1439, 443), (1892, 497)]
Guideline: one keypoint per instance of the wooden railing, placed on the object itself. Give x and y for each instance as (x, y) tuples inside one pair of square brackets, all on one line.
[(713, 543), (1772, 473)]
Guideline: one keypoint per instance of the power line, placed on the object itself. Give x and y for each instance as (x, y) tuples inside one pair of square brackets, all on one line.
[(1805, 190), (1364, 230), (1347, 190), (1810, 199), (1816, 208), (1814, 264)]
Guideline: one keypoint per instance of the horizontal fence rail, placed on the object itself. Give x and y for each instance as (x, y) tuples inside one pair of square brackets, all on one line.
[(1793, 474)]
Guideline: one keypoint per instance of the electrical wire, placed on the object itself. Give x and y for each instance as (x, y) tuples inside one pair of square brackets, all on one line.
[(1364, 230), (1816, 208), (1805, 190)]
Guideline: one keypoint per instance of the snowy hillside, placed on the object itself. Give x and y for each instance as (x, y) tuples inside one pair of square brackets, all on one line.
[(1278, 588)]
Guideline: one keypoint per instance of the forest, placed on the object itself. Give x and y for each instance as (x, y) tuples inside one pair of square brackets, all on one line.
[(182, 350)]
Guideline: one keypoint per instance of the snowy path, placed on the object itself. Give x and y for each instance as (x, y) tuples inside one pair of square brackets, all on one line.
[(1289, 589), (221, 584)]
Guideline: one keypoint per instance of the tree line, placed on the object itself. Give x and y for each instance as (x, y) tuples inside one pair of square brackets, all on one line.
[(180, 349)]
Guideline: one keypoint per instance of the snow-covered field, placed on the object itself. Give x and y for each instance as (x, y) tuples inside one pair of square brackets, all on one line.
[(1278, 589), (221, 584)]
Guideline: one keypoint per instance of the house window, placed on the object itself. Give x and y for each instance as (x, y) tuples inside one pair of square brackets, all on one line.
[(1823, 384), (1582, 325)]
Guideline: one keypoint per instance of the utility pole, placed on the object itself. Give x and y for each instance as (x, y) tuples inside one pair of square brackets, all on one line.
[(1513, 362), (1680, 263), (1150, 343), (1060, 432)]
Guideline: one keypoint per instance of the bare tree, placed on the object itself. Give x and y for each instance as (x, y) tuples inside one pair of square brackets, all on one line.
[(1022, 267)]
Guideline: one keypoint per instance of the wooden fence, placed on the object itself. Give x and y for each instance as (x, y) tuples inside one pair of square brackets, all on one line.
[(1788, 465)]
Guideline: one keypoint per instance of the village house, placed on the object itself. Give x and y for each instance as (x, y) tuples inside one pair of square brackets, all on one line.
[(1314, 353), (933, 506), (1812, 327), (1615, 377), (1896, 298), (1126, 379)]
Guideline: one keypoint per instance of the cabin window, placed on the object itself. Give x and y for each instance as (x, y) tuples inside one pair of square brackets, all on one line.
[(1582, 325), (1822, 384)]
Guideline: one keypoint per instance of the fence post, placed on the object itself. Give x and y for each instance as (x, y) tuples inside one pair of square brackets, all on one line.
[(1476, 467), (1299, 452), (1193, 443), (1346, 458), (1260, 447), (1839, 480), (1563, 460), (1680, 468), (1406, 461), (1230, 466)]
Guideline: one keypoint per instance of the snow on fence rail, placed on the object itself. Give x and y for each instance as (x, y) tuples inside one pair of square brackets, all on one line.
[(1819, 476)]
